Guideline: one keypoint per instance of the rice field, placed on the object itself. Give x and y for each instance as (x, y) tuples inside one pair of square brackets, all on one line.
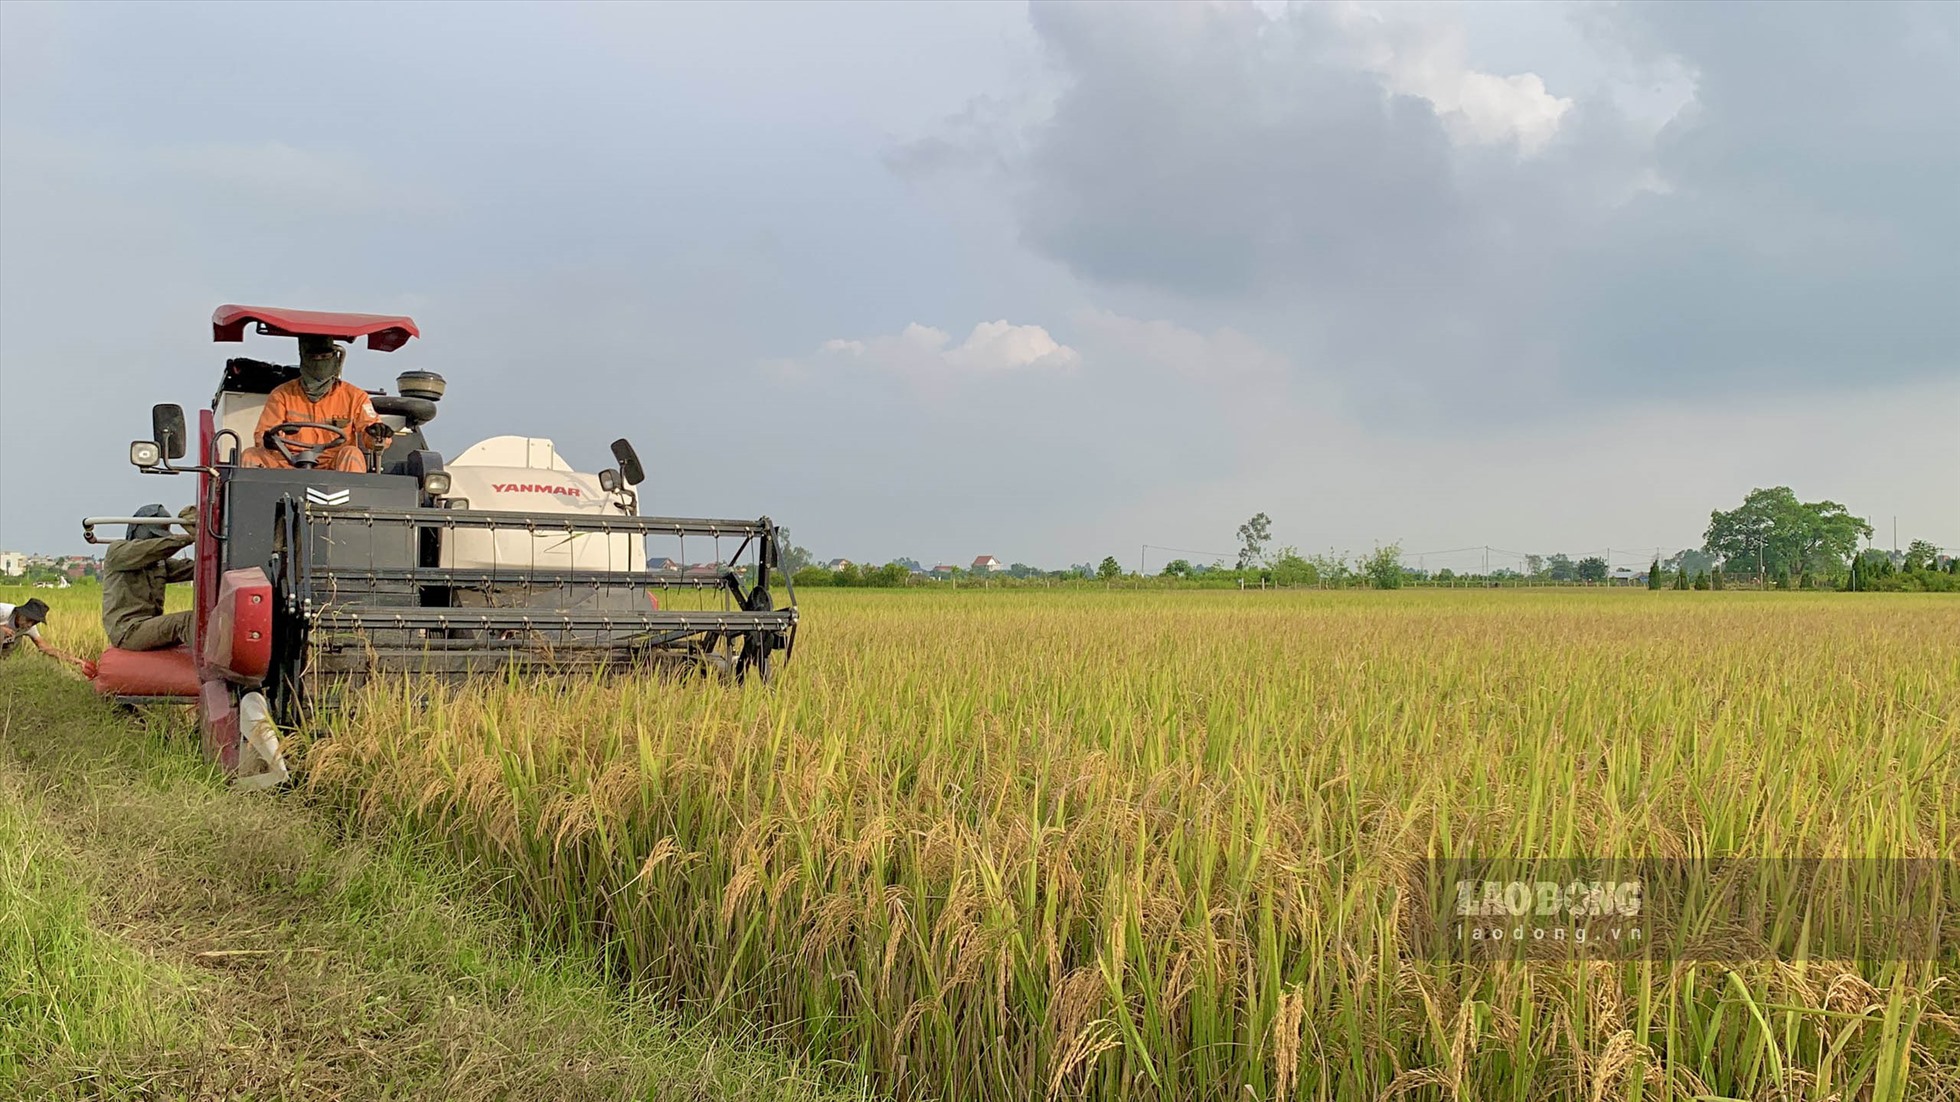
[(1106, 844), (1098, 844)]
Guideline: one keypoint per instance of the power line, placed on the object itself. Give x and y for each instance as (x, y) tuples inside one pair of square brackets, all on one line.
[(1188, 551), (1451, 551)]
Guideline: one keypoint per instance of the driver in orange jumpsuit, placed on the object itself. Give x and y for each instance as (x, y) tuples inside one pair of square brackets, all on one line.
[(318, 395)]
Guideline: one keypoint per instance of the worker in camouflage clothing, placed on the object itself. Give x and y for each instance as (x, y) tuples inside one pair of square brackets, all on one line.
[(134, 573)]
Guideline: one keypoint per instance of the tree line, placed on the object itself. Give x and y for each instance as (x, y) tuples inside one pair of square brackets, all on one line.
[(1771, 540)]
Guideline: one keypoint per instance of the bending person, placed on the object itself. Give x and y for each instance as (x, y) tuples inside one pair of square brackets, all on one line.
[(23, 621), (134, 574), (321, 397)]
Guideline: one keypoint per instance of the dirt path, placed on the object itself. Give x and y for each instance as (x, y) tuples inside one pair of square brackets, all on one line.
[(164, 937)]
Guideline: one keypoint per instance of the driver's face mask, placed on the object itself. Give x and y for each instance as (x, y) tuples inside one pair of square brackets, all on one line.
[(317, 372)]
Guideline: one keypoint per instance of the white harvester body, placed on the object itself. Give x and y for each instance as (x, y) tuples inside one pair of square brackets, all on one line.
[(526, 474)]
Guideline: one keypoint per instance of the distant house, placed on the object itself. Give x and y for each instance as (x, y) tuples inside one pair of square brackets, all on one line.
[(837, 564), (1627, 575), (663, 563), (944, 570), (986, 564), (13, 564)]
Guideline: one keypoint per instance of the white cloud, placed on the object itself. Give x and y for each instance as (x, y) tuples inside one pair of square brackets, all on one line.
[(993, 346), (1431, 60), (996, 346)]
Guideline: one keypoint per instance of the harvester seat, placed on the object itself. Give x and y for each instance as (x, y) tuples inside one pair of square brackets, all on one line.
[(168, 674), (238, 412)]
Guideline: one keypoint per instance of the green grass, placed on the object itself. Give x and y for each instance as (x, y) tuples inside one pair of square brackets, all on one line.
[(164, 937), (70, 990)]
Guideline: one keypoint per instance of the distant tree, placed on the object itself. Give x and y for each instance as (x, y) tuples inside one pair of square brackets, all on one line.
[(911, 564), (1701, 581), (1772, 532), (1446, 575), (1331, 569), (1592, 568), (1715, 578), (1290, 569), (1254, 534), (1559, 568), (1384, 568), (1654, 574), (1177, 568), (793, 558), (890, 575), (1873, 564), (1534, 565), (1023, 570), (1110, 569), (1681, 578), (1693, 560), (1920, 555)]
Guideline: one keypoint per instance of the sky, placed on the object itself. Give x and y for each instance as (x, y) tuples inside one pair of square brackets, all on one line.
[(1046, 283)]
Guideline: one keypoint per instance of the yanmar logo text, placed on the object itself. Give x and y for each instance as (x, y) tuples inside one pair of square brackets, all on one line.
[(534, 488)]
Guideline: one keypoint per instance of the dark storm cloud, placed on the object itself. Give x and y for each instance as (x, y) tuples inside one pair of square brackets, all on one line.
[(1193, 150), (1796, 220)]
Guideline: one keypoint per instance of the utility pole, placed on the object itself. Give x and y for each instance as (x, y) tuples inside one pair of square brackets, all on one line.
[(1140, 552)]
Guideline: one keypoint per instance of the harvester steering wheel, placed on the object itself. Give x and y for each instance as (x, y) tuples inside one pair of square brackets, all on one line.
[(304, 458)]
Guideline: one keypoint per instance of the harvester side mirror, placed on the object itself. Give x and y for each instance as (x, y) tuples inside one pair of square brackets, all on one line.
[(167, 429), (629, 462), (145, 454), (609, 480)]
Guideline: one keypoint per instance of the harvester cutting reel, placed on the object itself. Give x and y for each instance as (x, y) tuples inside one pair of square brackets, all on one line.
[(451, 594)]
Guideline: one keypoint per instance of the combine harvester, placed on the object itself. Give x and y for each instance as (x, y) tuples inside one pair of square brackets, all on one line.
[(310, 581)]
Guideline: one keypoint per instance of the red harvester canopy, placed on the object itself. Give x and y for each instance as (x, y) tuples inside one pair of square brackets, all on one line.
[(383, 333)]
